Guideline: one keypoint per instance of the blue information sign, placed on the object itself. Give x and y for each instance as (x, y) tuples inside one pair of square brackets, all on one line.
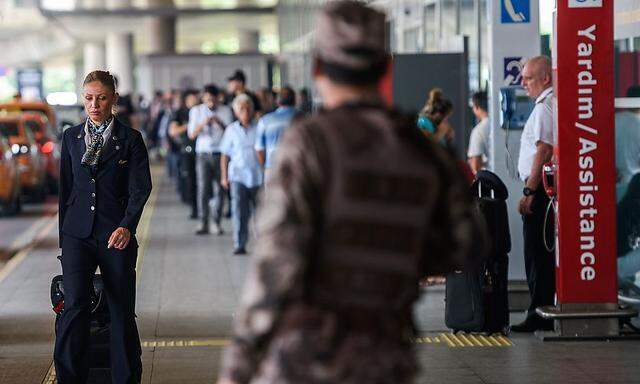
[(515, 11)]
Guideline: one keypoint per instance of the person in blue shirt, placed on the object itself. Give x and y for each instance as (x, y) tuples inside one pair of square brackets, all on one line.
[(240, 170), (433, 120), (272, 125)]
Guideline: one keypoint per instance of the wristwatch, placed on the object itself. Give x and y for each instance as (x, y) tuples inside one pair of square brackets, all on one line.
[(527, 191)]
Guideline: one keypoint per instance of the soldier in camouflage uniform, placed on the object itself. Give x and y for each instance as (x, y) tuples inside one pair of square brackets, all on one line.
[(361, 207)]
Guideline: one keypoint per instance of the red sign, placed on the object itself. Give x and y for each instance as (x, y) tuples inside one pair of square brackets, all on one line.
[(585, 152), (386, 85)]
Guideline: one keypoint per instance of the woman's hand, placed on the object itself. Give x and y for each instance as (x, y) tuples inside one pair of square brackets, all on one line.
[(225, 183), (119, 238)]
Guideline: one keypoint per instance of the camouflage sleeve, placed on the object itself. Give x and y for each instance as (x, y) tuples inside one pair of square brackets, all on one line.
[(457, 234), (288, 227)]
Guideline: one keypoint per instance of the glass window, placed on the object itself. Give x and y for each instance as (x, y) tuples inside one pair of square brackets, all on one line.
[(32, 125), (627, 125), (30, 137), (430, 28), (411, 43), (9, 129), (393, 41)]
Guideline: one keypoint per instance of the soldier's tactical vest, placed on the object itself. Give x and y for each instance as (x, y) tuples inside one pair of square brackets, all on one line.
[(381, 193)]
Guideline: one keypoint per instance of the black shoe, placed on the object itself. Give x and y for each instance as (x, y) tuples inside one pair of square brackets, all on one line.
[(203, 231), (532, 325), (239, 251)]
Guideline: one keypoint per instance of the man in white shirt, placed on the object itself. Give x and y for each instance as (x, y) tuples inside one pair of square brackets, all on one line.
[(536, 148), (207, 122), (478, 153)]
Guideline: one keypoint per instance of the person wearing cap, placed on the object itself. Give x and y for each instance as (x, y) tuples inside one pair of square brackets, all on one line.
[(236, 85), (207, 122), (360, 208)]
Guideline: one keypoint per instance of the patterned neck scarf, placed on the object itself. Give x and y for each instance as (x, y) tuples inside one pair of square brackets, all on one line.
[(92, 154)]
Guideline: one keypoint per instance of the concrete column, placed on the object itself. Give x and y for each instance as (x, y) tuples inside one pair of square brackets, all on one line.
[(162, 35), (119, 52), (161, 31), (120, 60), (94, 58), (249, 41)]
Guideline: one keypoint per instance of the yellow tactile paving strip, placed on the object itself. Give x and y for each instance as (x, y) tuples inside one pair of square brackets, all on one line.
[(50, 378), (450, 340), (446, 339), (462, 340), (185, 343)]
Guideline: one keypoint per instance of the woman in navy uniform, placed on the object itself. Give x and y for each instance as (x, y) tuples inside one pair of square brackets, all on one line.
[(104, 184)]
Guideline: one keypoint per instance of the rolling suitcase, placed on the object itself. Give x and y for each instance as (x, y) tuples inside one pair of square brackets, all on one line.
[(476, 298), (100, 328)]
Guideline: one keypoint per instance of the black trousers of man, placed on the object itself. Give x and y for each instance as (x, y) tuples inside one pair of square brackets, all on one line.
[(539, 262), (188, 173), (79, 260)]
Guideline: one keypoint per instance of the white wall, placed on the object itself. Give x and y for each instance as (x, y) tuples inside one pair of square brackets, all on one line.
[(165, 72), (509, 40)]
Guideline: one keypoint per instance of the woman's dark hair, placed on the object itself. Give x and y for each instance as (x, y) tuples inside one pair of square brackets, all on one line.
[(104, 77), (437, 107), (348, 76)]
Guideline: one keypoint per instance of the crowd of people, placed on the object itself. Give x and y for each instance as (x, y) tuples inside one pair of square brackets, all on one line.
[(357, 208), (219, 145)]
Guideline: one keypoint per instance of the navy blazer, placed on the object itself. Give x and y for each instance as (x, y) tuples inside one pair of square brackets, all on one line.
[(96, 203)]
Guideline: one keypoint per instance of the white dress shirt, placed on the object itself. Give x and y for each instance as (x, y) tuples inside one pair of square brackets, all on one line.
[(539, 128), (208, 141)]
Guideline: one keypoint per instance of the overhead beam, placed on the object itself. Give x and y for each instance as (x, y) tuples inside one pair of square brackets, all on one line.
[(160, 11)]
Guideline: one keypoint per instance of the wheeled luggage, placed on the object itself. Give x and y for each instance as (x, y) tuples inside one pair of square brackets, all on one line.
[(100, 328), (477, 296)]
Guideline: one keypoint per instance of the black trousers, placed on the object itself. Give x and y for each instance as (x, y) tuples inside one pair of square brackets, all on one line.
[(539, 263), (188, 173), (71, 355)]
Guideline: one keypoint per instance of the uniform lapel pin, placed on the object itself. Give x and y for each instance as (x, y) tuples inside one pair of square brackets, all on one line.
[(117, 147), (79, 136)]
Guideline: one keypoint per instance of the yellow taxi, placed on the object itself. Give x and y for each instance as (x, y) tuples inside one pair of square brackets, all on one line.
[(31, 163), (37, 107), (47, 144), (9, 180)]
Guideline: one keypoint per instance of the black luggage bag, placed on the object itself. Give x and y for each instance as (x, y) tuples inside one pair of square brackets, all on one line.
[(476, 298), (100, 319)]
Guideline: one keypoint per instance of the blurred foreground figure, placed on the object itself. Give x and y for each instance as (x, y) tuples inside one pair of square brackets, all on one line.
[(361, 206)]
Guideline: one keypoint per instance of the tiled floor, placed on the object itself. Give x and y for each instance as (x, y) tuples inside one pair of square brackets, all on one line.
[(189, 288)]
